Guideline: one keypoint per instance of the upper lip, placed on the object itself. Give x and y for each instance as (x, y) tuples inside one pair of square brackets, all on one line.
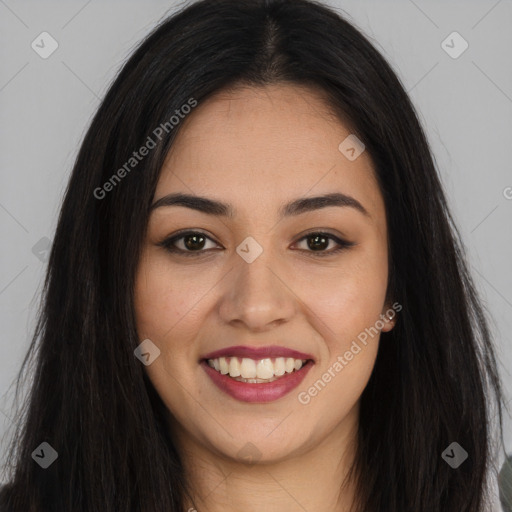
[(270, 351)]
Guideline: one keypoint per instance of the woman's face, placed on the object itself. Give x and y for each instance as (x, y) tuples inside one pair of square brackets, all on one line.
[(264, 271)]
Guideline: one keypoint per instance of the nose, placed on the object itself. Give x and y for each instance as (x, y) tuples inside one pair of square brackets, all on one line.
[(258, 295)]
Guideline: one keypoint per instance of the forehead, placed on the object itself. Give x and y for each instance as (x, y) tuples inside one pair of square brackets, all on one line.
[(270, 143)]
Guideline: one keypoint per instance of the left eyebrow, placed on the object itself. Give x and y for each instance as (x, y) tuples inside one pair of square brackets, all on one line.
[(295, 207)]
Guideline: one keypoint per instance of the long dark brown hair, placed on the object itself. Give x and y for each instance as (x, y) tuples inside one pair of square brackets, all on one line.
[(435, 380)]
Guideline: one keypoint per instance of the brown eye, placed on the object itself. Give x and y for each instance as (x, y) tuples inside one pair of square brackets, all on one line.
[(318, 243), (194, 241), (189, 243)]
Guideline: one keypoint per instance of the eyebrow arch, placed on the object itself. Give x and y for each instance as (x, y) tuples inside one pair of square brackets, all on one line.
[(295, 207)]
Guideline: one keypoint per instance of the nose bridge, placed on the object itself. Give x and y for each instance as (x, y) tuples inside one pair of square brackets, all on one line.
[(258, 276), (257, 296)]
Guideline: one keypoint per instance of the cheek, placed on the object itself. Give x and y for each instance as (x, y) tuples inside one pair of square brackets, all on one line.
[(344, 309), (166, 311), (165, 301), (349, 298)]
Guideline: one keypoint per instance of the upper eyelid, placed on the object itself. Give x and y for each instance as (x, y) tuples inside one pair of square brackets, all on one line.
[(182, 234)]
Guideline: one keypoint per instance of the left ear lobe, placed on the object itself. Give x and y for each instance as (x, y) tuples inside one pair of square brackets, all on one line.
[(388, 324), (389, 319)]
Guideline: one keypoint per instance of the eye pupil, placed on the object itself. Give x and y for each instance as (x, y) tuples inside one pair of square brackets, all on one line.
[(319, 242), (191, 240)]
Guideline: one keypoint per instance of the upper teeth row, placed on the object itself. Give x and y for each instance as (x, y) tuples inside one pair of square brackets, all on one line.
[(261, 369)]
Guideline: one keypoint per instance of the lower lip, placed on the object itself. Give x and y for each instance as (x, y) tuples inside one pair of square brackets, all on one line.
[(250, 392)]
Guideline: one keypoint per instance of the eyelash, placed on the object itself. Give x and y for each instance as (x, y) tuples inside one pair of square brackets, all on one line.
[(168, 244)]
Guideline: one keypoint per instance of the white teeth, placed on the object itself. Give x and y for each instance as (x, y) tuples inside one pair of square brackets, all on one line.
[(234, 367), (279, 368), (265, 369), (223, 365), (254, 371), (248, 368)]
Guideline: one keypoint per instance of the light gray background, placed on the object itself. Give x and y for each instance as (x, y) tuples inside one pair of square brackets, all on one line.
[(46, 105)]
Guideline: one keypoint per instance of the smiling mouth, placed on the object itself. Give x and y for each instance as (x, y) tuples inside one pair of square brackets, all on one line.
[(260, 371)]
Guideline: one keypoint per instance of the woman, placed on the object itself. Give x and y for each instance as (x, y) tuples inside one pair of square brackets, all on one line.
[(256, 297)]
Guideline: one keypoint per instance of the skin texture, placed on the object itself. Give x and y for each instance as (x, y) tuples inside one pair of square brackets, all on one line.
[(258, 148)]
